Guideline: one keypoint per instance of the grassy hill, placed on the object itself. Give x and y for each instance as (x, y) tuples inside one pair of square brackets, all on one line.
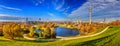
[(108, 38)]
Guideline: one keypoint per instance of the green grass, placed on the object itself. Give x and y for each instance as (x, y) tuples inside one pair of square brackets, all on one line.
[(100, 40), (96, 31), (108, 38)]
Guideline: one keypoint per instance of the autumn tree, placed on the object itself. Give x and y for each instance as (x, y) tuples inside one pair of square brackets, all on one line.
[(12, 30), (53, 34), (31, 34)]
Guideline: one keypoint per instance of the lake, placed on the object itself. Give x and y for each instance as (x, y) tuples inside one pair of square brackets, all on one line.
[(61, 31)]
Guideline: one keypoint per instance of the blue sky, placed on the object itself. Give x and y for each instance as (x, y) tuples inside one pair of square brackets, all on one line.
[(59, 9)]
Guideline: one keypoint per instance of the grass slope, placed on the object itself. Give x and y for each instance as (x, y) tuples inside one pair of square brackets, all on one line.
[(106, 39)]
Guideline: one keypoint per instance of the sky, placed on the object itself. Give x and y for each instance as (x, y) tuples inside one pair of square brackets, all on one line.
[(59, 10)]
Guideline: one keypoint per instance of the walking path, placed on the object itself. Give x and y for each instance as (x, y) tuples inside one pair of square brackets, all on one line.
[(65, 38), (37, 39)]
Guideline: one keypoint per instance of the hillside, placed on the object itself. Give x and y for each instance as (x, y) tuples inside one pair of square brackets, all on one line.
[(109, 38)]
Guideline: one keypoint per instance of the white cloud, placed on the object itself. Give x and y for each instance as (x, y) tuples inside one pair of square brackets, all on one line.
[(110, 0), (81, 11), (51, 14), (61, 5), (14, 16), (10, 8), (4, 15), (11, 18), (38, 2), (101, 8), (12, 21)]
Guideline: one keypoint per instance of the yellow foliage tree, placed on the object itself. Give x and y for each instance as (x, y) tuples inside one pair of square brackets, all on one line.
[(11, 30), (31, 34), (53, 34), (7, 31)]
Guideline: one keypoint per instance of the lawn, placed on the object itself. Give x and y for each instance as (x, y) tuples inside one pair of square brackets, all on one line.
[(108, 38)]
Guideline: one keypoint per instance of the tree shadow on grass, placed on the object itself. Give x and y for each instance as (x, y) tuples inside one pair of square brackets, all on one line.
[(20, 39), (37, 41), (17, 40), (5, 41)]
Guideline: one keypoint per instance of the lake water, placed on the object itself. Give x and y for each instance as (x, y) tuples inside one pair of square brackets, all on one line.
[(60, 31)]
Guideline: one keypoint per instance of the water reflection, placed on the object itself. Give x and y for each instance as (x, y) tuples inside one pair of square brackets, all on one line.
[(60, 31)]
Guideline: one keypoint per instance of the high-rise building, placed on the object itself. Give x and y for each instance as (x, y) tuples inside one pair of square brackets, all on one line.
[(26, 20)]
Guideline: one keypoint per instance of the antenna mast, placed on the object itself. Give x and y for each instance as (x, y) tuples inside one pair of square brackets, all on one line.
[(90, 12)]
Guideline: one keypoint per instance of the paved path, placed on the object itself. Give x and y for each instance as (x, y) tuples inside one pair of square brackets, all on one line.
[(26, 37), (37, 39), (66, 38)]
